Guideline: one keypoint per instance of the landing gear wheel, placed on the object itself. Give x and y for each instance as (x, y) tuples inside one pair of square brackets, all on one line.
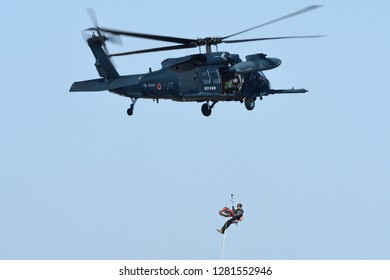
[(249, 104), (130, 111), (206, 109)]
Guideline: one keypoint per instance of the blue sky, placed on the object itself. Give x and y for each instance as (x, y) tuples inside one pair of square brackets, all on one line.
[(81, 180)]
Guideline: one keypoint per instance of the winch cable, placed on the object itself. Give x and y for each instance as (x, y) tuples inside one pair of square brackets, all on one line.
[(223, 242), (227, 218)]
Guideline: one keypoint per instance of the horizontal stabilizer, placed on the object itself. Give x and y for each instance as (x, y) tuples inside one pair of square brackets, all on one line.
[(103, 84), (90, 85)]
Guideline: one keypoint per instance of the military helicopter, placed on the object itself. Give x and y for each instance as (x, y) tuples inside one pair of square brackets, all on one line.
[(208, 77)]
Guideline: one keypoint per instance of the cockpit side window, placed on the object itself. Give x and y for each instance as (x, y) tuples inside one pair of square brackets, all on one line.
[(206, 77), (215, 77)]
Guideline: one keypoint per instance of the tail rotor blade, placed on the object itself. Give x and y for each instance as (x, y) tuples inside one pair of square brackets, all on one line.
[(93, 17), (115, 39)]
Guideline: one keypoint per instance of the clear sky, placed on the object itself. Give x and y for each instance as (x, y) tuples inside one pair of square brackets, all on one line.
[(82, 180)]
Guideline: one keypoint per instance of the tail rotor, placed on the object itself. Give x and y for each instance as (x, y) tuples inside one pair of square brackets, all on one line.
[(114, 38)]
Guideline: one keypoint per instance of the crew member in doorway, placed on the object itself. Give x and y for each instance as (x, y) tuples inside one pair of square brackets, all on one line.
[(237, 216), (232, 85)]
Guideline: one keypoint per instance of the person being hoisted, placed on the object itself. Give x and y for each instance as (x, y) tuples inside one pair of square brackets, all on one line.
[(237, 215)]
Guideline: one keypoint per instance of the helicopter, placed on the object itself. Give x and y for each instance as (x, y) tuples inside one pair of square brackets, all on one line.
[(206, 78)]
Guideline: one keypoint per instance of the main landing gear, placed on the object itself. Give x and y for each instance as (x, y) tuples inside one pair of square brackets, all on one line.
[(130, 111), (206, 108), (249, 104)]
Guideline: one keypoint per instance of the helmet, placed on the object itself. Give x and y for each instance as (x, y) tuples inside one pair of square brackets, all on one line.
[(239, 205)]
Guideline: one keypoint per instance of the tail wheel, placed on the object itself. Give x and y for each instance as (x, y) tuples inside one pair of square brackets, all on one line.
[(130, 111)]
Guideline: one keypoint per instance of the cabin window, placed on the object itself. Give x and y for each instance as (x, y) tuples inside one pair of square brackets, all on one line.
[(215, 77), (206, 77)]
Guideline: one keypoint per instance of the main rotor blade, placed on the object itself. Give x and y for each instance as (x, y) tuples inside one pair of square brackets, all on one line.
[(178, 47), (149, 36), (270, 38), (307, 9)]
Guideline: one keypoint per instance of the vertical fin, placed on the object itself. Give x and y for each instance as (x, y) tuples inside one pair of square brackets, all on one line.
[(103, 64)]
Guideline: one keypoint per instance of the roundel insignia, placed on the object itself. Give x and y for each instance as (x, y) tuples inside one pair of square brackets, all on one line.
[(158, 86)]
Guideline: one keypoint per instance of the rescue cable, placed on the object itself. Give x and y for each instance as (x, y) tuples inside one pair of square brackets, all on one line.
[(227, 218)]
